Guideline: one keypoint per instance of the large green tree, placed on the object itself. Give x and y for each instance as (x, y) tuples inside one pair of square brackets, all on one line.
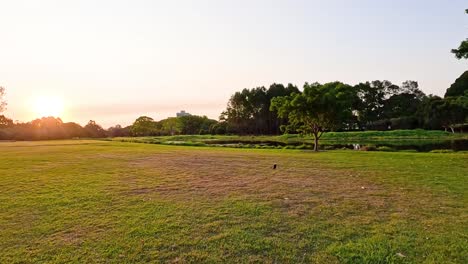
[(143, 126), (462, 51), (74, 130), (454, 111), (248, 111), (170, 126), (428, 113), (447, 113), (118, 131), (94, 130), (194, 125), (317, 109), (459, 87), (245, 110), (382, 104), (276, 90), (404, 102), (371, 104)]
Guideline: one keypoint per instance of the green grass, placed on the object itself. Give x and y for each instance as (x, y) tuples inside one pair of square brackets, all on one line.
[(415, 137), (115, 202)]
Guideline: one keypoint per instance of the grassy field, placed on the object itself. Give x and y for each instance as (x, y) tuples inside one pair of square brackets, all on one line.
[(116, 202)]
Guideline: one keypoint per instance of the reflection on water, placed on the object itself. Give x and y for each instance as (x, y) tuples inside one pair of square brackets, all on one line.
[(422, 145)]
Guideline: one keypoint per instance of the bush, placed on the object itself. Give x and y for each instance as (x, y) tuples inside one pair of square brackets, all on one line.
[(442, 151), (409, 150), (369, 148), (303, 146), (329, 147), (385, 148), (404, 123)]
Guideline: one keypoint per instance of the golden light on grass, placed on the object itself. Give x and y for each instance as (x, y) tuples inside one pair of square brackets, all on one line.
[(45, 106)]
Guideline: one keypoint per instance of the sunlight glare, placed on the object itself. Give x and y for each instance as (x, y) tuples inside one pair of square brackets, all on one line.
[(48, 106)]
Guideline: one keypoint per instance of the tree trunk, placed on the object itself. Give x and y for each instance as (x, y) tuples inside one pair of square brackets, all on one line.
[(453, 131), (316, 140)]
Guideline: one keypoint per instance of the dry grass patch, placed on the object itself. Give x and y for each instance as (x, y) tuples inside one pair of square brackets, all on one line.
[(298, 186)]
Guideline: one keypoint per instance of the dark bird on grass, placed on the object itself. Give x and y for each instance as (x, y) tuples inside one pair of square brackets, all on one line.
[(274, 166)]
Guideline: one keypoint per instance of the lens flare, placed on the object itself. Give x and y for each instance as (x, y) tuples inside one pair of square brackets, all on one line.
[(48, 106)]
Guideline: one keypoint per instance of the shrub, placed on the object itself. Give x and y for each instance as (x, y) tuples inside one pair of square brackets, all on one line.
[(303, 146), (369, 148), (385, 148), (409, 150), (442, 151)]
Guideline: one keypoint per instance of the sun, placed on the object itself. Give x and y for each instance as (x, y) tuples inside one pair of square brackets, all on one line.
[(46, 106)]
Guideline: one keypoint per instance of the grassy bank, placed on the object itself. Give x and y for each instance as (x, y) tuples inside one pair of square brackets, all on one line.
[(98, 201), (393, 138)]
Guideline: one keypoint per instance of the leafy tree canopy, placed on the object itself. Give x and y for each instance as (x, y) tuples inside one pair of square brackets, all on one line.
[(248, 111), (459, 87), (143, 126), (317, 109), (5, 121), (462, 51), (94, 130)]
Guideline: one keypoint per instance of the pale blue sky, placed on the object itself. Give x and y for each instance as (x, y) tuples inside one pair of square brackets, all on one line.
[(113, 61)]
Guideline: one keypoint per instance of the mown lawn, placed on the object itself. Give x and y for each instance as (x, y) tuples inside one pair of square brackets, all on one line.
[(114, 202)]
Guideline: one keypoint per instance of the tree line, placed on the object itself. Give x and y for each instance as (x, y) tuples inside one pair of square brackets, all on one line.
[(54, 128), (314, 109), (48, 128), (183, 125), (336, 106)]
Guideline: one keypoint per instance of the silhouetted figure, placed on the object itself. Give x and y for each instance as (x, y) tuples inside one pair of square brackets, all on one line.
[(274, 166)]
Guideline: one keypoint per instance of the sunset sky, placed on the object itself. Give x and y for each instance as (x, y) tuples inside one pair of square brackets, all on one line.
[(112, 61)]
